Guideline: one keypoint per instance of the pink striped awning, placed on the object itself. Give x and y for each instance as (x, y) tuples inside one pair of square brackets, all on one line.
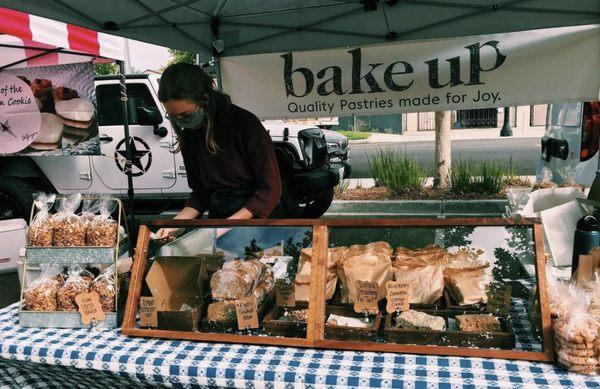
[(23, 36)]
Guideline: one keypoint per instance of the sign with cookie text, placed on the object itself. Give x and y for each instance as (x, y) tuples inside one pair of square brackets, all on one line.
[(397, 295), (49, 111), (366, 297), (246, 313), (90, 307), (19, 115), (285, 293), (148, 313)]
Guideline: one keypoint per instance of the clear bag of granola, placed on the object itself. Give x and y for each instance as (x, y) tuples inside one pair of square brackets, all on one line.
[(103, 230), (545, 180), (105, 286), (88, 212), (41, 227), (576, 334), (41, 295), (78, 282), (567, 174), (69, 229)]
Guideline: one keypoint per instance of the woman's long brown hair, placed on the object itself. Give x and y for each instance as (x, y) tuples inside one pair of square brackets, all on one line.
[(184, 81)]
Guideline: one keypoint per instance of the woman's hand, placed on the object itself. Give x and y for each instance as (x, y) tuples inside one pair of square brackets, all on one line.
[(242, 214), (169, 234)]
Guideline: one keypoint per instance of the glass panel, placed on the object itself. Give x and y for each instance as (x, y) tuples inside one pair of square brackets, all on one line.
[(207, 278), (454, 286)]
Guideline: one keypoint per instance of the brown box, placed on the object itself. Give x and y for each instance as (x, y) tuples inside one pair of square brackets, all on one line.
[(177, 285)]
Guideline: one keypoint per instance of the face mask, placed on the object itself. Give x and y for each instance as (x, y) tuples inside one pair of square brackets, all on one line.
[(193, 120)]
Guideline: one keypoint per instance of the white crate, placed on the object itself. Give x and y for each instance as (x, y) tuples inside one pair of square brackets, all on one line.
[(13, 237)]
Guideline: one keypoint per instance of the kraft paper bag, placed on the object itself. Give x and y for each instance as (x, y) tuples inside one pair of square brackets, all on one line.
[(559, 229), (370, 267), (426, 282)]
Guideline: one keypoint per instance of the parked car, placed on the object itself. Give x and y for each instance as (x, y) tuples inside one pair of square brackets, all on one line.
[(338, 148), (159, 175), (571, 142)]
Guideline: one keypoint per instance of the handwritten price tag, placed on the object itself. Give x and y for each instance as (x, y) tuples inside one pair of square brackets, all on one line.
[(247, 313), (90, 307), (397, 296), (285, 293), (366, 296), (148, 314)]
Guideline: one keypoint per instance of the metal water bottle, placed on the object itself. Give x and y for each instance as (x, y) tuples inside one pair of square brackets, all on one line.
[(587, 236)]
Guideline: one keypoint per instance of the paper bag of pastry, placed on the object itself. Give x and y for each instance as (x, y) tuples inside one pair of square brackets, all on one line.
[(426, 282), (382, 248), (588, 265), (334, 256), (303, 277), (238, 279), (431, 254), (372, 267), (468, 286)]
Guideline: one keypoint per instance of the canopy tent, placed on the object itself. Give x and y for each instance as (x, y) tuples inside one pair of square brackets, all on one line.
[(231, 28), (28, 40)]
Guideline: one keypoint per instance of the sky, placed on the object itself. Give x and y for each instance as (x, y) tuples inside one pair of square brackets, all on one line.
[(146, 56)]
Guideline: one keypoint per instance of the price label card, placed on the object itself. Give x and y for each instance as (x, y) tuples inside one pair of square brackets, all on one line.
[(499, 299), (366, 296), (148, 314), (285, 293), (90, 307), (397, 296), (246, 313)]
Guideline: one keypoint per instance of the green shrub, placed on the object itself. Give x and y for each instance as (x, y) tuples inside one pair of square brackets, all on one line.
[(397, 171), (461, 178), (342, 186), (491, 178), (486, 177)]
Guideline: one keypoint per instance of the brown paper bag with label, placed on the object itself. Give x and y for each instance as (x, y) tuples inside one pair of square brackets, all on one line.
[(371, 267), (426, 282)]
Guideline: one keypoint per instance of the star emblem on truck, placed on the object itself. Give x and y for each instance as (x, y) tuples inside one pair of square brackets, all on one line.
[(141, 156)]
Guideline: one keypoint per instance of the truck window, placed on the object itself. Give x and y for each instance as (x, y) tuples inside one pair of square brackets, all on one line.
[(565, 115), (109, 103)]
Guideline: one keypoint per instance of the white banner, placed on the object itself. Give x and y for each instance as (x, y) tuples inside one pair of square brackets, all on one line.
[(529, 67)]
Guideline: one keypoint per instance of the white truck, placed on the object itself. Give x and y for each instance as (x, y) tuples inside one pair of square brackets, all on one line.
[(309, 172), (571, 142)]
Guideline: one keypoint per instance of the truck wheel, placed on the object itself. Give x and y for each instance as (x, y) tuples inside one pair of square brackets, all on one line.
[(16, 198), (319, 204)]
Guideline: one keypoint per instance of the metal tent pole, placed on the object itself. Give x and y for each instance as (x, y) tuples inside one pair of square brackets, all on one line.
[(128, 162)]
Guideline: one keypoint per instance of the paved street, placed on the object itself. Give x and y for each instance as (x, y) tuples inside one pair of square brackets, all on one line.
[(524, 151)]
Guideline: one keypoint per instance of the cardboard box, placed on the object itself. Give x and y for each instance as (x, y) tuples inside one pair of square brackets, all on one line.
[(177, 285)]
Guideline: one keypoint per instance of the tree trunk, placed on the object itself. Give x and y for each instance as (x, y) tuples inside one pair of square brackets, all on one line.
[(443, 157)]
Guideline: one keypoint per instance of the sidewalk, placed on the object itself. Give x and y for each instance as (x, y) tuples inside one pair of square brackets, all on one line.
[(458, 134)]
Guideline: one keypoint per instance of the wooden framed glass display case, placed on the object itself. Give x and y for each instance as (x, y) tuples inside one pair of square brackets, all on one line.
[(465, 287)]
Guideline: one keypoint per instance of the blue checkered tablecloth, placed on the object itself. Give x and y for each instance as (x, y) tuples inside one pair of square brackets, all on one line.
[(84, 358)]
